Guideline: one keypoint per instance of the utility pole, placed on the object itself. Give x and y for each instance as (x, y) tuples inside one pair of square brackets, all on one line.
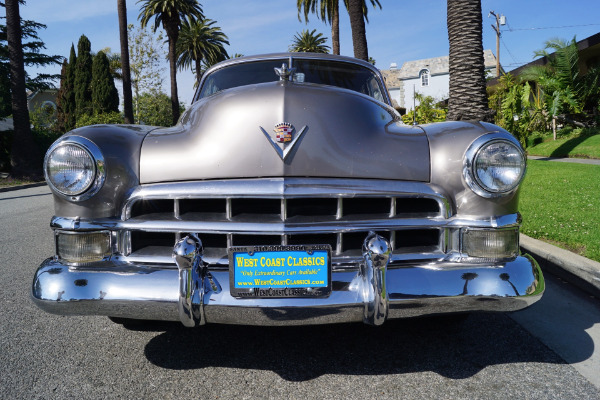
[(500, 20)]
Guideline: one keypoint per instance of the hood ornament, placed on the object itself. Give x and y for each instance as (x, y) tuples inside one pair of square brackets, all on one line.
[(284, 72), (283, 138)]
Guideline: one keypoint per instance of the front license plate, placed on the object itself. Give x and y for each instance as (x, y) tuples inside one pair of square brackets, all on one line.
[(280, 271)]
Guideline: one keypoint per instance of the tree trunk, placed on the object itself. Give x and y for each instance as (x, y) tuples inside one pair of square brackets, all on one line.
[(468, 97), (335, 28), (359, 34), (198, 64), (24, 156), (127, 97), (173, 35)]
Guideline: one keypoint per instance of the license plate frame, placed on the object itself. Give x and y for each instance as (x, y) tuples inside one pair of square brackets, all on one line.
[(275, 280)]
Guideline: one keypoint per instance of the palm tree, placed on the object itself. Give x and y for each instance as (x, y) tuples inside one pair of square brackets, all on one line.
[(467, 277), (359, 34), (125, 70), (24, 152), (200, 43), (564, 88), (468, 97), (329, 11), (170, 14), (309, 42)]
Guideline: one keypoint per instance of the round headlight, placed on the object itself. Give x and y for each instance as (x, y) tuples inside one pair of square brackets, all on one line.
[(72, 170), (495, 167)]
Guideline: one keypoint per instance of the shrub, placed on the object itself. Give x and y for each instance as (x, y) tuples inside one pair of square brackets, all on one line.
[(96, 119), (427, 111)]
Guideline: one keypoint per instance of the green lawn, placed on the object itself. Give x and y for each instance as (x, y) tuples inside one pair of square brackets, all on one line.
[(560, 203), (7, 182), (578, 147)]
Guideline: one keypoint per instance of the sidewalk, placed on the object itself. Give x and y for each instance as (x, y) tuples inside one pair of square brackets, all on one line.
[(590, 161), (580, 271)]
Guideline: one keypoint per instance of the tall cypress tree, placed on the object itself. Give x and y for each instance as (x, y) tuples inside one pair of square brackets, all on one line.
[(70, 108), (83, 78), (61, 96), (105, 97)]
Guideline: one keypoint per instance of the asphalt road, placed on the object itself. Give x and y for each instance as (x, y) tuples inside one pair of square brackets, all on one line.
[(487, 356)]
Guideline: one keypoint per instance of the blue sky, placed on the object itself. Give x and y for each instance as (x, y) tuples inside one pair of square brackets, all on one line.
[(401, 31)]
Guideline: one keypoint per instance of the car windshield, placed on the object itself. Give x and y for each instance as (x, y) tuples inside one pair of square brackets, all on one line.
[(324, 72)]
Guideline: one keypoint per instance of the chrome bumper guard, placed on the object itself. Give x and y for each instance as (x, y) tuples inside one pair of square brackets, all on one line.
[(374, 292)]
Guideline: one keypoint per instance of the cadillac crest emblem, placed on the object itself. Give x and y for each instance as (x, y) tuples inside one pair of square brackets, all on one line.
[(283, 138), (283, 132)]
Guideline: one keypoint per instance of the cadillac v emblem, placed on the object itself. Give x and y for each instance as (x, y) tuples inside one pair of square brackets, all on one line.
[(283, 139)]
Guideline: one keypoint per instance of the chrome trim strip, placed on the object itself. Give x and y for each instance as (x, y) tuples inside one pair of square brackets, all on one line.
[(277, 228)]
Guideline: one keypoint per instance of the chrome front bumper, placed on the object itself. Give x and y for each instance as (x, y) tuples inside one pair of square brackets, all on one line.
[(372, 293)]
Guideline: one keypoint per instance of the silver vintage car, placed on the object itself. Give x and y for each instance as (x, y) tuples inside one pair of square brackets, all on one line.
[(289, 193)]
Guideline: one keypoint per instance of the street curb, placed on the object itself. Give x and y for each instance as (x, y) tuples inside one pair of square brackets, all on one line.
[(11, 188), (580, 271)]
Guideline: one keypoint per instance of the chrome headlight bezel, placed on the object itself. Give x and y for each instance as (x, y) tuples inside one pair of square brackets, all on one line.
[(97, 160), (470, 160)]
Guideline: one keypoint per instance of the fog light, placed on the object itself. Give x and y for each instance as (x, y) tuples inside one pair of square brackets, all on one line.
[(85, 247), (491, 244)]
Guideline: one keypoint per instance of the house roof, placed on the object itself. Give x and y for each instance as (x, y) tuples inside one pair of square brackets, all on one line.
[(436, 66)]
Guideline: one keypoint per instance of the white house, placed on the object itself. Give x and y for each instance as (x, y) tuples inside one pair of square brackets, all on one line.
[(429, 77)]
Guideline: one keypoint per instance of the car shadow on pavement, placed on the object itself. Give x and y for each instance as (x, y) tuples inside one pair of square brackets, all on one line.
[(443, 345)]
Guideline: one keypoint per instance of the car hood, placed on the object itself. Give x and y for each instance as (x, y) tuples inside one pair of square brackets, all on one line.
[(334, 133)]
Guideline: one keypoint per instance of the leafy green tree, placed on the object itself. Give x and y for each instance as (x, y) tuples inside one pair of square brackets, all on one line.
[(200, 42), (309, 42), (155, 109), (105, 97), (146, 55), (170, 14), (468, 98), (83, 78)]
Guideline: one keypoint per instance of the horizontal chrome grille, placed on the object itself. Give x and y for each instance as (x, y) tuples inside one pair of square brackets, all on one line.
[(300, 209), (291, 211), (341, 243)]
